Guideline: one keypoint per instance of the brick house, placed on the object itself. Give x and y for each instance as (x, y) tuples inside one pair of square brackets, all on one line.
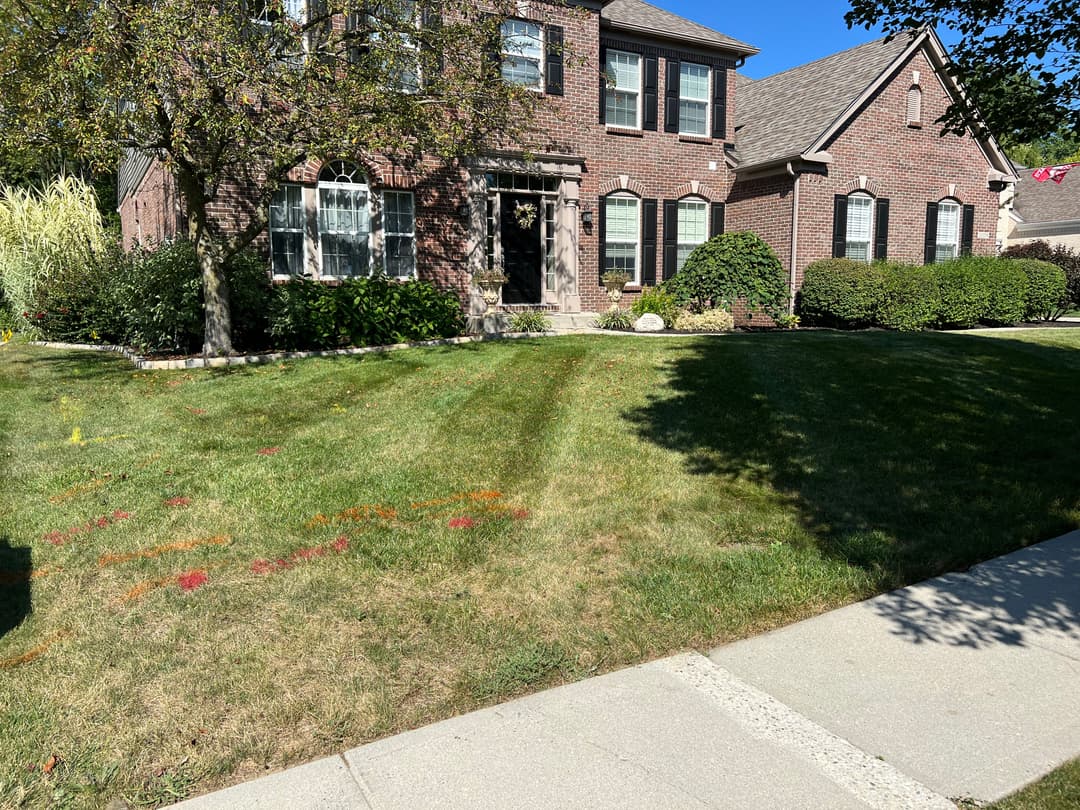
[(654, 143)]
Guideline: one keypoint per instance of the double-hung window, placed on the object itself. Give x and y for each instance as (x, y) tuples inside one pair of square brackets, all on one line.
[(622, 235), (860, 220), (287, 231), (399, 234), (692, 228), (392, 35), (623, 95), (344, 221), (693, 99), (948, 231), (523, 53)]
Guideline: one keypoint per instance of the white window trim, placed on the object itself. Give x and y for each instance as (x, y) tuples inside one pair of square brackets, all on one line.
[(707, 101), (504, 53), (862, 195), (302, 230), (263, 21), (954, 244), (704, 205), (635, 279), (385, 232), (329, 184), (612, 88)]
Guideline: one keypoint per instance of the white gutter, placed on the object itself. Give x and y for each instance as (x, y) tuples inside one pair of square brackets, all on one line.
[(794, 238)]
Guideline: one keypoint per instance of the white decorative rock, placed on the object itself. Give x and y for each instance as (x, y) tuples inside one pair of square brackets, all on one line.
[(649, 323)]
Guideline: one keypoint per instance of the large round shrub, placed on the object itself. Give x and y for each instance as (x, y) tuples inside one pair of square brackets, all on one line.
[(1007, 286), (842, 293), (910, 301), (1047, 293), (964, 292), (727, 268), (1065, 258)]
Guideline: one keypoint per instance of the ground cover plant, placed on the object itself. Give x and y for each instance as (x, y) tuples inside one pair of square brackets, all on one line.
[(210, 574)]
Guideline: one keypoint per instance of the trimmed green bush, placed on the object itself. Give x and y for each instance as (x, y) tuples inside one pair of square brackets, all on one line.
[(1007, 286), (727, 268), (842, 293), (964, 293), (1065, 258), (361, 312), (911, 300), (658, 301), (1047, 290)]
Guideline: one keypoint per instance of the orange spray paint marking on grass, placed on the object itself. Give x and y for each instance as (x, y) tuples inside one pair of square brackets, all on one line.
[(8, 577), (79, 489), (149, 553), (58, 537), (31, 654)]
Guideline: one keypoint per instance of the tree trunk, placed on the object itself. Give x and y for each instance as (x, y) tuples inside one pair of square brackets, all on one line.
[(217, 335)]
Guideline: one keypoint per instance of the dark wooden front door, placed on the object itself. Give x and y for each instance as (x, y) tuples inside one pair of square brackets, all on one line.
[(520, 250)]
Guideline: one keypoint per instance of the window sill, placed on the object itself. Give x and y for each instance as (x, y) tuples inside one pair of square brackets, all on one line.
[(704, 139), (914, 125), (632, 133)]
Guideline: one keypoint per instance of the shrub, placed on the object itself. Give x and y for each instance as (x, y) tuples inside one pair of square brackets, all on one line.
[(729, 267), (529, 321), (249, 300), (1047, 290), (910, 301), (711, 320), (658, 301), (964, 293), (1007, 286), (81, 303), (1065, 258), (842, 293), (160, 295), (618, 319), (361, 312)]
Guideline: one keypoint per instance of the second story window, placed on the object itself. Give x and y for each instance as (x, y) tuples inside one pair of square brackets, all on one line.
[(523, 53), (623, 96), (693, 99)]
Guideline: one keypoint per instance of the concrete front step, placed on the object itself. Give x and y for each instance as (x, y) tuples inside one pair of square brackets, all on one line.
[(500, 322)]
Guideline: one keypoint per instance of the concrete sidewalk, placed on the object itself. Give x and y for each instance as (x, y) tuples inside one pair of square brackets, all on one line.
[(962, 686)]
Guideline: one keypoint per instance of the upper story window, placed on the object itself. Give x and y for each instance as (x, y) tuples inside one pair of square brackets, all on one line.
[(393, 28), (693, 221), (623, 96), (948, 231), (523, 53), (622, 235), (344, 220), (693, 99), (289, 49), (287, 231), (860, 227)]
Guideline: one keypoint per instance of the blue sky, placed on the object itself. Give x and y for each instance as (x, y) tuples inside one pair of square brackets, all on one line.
[(788, 33)]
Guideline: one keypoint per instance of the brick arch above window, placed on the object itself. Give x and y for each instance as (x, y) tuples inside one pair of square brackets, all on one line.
[(864, 183), (695, 189), (622, 183), (310, 170), (949, 192)]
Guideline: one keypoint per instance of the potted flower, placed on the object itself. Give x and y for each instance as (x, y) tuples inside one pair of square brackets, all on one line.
[(490, 281), (614, 281)]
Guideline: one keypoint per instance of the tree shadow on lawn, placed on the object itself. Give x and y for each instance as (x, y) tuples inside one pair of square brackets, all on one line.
[(15, 570), (905, 455)]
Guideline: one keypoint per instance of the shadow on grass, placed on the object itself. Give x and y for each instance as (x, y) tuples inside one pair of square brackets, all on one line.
[(905, 455), (15, 568)]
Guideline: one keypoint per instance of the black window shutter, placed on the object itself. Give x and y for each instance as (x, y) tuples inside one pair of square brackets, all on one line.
[(881, 229), (716, 219), (671, 237), (651, 88), (553, 60), (601, 235), (839, 227), (930, 241), (603, 83), (967, 227), (648, 242), (719, 103), (671, 97)]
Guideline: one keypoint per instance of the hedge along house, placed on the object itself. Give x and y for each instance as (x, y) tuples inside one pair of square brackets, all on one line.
[(650, 144)]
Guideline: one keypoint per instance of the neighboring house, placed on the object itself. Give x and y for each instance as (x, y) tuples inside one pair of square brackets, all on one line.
[(655, 144), (1048, 211)]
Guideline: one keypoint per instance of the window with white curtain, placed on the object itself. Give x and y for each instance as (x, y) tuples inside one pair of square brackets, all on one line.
[(287, 231), (860, 222), (344, 221)]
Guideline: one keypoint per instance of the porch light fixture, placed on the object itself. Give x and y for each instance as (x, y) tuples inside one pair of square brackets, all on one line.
[(586, 217), (463, 210)]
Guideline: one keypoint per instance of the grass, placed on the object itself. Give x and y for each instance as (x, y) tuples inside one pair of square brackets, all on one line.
[(1059, 790), (392, 540)]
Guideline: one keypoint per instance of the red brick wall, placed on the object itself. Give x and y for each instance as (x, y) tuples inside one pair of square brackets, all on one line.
[(151, 214)]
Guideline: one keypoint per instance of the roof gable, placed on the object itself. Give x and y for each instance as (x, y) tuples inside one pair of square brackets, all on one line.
[(639, 17)]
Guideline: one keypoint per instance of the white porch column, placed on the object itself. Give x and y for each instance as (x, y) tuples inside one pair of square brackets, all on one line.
[(566, 247), (476, 244)]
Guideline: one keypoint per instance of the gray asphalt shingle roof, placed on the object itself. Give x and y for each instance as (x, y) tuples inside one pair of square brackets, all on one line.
[(782, 115), (639, 16), (1048, 202)]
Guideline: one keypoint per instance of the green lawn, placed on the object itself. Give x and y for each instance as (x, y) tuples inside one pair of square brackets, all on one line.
[(371, 544), (1059, 790)]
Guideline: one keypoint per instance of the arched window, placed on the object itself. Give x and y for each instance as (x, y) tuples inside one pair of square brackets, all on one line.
[(860, 227), (948, 230), (344, 220)]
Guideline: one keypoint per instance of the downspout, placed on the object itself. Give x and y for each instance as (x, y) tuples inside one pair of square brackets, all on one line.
[(794, 238)]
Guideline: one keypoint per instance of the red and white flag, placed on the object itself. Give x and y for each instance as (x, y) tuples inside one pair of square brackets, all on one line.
[(1055, 173)]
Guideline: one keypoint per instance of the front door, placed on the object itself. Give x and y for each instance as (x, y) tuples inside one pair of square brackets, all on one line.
[(519, 224)]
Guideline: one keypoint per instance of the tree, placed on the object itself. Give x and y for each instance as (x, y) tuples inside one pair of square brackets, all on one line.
[(231, 93), (1019, 61)]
